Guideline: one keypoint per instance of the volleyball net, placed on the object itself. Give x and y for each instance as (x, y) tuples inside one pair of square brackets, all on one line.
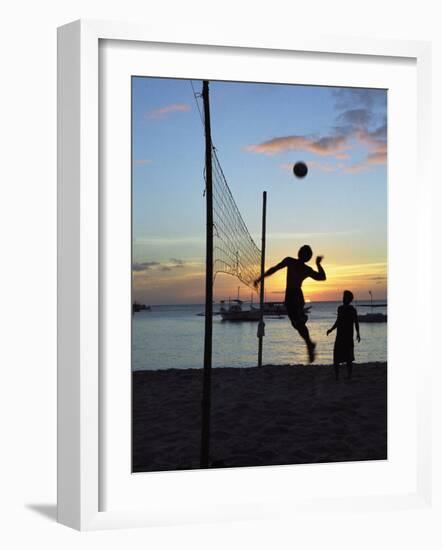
[(234, 250)]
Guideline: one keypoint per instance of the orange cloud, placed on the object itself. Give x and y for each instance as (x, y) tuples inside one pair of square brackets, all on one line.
[(373, 159), (376, 140), (163, 111), (337, 144), (377, 158), (327, 145)]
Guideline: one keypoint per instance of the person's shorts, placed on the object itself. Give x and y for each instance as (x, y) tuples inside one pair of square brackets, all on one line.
[(296, 314)]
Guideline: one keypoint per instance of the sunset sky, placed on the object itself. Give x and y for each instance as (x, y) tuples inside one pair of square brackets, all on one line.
[(260, 130)]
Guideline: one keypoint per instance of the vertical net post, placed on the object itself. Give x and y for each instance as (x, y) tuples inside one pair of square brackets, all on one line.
[(207, 371), (261, 323), (229, 249)]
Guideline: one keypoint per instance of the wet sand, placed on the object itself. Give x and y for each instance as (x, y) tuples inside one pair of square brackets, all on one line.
[(260, 416)]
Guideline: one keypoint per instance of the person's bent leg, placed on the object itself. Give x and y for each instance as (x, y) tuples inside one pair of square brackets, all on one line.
[(305, 335), (303, 332), (298, 318), (349, 369)]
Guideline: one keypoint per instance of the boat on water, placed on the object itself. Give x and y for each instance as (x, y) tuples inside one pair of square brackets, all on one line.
[(235, 312), (372, 317), (136, 307), (203, 314)]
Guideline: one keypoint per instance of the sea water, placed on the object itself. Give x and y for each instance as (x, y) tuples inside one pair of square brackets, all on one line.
[(173, 337)]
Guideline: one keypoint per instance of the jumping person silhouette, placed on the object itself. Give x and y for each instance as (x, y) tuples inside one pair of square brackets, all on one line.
[(297, 271)]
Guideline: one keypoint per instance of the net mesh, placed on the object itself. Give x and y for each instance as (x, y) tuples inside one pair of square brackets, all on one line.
[(234, 250)]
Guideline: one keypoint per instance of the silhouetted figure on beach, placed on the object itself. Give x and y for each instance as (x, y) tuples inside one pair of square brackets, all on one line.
[(343, 351), (297, 271)]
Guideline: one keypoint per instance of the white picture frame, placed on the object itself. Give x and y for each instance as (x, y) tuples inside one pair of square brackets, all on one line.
[(79, 322)]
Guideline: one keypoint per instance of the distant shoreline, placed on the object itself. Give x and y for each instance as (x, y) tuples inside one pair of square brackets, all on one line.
[(273, 366)]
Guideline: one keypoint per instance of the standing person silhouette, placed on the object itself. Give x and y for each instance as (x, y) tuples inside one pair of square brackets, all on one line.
[(343, 351), (297, 271)]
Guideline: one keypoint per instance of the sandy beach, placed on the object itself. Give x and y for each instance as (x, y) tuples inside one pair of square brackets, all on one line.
[(260, 416)]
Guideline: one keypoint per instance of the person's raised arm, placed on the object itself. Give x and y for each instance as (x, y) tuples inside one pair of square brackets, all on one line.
[(320, 274), (272, 270)]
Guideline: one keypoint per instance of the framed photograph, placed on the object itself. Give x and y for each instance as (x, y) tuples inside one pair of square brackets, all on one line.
[(241, 254)]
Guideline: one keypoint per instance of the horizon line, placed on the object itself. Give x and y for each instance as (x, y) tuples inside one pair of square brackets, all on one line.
[(266, 302)]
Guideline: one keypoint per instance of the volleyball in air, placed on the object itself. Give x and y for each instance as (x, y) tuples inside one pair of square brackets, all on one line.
[(300, 169)]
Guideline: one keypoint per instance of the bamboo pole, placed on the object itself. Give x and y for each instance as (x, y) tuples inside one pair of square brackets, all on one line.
[(207, 371), (261, 323)]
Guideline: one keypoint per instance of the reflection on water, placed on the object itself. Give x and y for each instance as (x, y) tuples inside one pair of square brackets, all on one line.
[(172, 337)]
